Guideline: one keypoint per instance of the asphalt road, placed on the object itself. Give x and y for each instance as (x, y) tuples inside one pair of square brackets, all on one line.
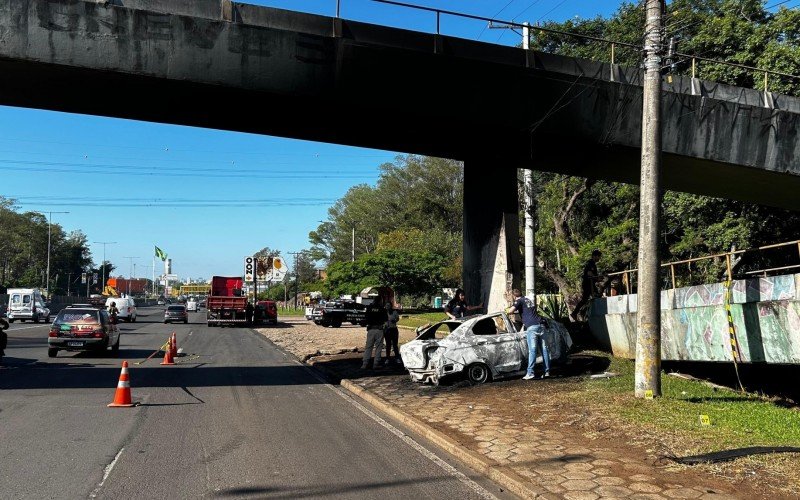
[(237, 418)]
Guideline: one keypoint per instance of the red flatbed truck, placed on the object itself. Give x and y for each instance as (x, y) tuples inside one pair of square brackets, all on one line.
[(226, 305)]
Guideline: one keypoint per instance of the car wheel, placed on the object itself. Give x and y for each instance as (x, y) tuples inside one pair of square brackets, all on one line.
[(11, 320), (52, 353), (478, 373), (336, 323), (185, 321), (165, 322)]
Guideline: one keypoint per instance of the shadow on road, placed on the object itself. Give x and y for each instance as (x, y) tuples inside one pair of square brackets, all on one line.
[(43, 375)]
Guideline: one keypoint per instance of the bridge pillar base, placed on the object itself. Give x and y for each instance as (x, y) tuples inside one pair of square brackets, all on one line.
[(491, 234)]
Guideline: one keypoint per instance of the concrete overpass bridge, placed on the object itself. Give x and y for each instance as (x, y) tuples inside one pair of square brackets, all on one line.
[(227, 65)]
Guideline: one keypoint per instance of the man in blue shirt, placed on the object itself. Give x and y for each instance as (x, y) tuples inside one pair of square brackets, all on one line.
[(534, 330)]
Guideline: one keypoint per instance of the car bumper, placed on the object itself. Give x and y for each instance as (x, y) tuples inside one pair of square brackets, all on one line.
[(21, 315), (78, 344)]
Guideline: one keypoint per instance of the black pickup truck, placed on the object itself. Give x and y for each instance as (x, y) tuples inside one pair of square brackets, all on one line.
[(334, 313)]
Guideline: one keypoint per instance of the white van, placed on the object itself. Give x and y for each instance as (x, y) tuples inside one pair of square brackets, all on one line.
[(126, 306), (27, 304)]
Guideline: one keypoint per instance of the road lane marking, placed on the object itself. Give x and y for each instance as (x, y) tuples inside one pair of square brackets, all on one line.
[(449, 469), (106, 473)]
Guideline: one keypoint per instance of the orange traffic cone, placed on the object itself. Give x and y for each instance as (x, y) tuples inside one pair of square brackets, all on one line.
[(168, 359), (122, 398), (174, 346)]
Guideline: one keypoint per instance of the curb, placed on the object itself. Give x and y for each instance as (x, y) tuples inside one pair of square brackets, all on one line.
[(503, 476)]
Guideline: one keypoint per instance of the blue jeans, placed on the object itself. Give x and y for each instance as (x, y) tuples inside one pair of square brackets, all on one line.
[(533, 340)]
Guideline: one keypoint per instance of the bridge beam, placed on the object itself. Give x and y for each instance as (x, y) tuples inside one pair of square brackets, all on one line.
[(491, 234)]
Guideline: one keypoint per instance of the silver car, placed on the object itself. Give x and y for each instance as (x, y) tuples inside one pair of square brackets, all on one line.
[(482, 347)]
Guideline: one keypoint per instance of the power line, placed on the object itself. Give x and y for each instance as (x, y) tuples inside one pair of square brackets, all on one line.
[(526, 9), (495, 15), (562, 2)]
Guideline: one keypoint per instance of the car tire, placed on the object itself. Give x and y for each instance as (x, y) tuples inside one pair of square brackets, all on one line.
[(11, 320), (337, 323), (165, 322), (185, 321), (52, 352), (478, 373)]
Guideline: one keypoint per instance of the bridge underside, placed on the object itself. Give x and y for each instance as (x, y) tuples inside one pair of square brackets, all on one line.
[(218, 64)]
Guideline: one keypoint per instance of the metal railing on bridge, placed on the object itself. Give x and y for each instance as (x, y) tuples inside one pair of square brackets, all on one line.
[(613, 45), (627, 276)]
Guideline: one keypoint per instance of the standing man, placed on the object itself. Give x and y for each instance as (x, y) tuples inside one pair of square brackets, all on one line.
[(588, 283), (534, 330), (391, 334), (376, 322)]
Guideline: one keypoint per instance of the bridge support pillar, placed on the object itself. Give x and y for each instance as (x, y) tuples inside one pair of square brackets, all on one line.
[(491, 234)]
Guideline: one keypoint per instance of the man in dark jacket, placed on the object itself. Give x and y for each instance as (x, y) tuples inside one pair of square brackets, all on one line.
[(3, 338), (376, 321)]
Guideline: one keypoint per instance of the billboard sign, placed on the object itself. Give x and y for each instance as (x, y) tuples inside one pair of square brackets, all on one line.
[(249, 268)]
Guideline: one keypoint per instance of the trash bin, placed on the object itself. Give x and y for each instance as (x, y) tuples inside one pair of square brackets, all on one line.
[(437, 302)]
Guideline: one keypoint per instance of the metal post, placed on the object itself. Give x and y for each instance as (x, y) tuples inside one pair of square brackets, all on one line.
[(728, 267), (438, 16), (648, 327), (49, 225), (69, 281), (672, 272), (103, 265), (338, 7), (526, 36), (612, 53)]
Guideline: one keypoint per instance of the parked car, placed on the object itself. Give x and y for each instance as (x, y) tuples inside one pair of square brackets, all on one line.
[(481, 348), (176, 313), (82, 328), (126, 306), (266, 312), (191, 305), (26, 304)]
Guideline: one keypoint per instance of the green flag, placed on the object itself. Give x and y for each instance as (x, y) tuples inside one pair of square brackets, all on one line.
[(160, 254)]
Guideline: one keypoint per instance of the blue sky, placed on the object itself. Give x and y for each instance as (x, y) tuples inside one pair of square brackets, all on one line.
[(141, 184)]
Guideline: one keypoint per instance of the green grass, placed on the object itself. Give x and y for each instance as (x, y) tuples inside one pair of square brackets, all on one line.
[(415, 320), (737, 419), (292, 312)]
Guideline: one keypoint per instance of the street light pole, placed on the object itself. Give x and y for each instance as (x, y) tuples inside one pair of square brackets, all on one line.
[(130, 275), (49, 225), (103, 265)]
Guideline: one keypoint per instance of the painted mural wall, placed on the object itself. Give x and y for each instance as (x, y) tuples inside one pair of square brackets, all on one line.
[(694, 325)]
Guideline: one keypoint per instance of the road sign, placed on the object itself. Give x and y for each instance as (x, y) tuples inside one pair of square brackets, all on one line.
[(171, 277), (269, 269), (249, 268)]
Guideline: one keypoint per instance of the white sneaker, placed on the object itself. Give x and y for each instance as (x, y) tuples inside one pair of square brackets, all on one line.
[(527, 377)]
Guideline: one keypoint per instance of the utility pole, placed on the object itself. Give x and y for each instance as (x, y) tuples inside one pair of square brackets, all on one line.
[(648, 323), (49, 225), (296, 276), (69, 277), (103, 265)]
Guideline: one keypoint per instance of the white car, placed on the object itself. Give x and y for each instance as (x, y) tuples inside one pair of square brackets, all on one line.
[(191, 305), (126, 306), (481, 347)]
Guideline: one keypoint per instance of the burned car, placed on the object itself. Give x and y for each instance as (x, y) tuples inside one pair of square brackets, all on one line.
[(481, 348)]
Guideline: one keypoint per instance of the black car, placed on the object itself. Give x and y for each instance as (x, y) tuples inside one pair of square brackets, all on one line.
[(176, 313)]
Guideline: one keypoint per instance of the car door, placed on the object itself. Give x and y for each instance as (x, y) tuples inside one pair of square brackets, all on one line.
[(498, 346)]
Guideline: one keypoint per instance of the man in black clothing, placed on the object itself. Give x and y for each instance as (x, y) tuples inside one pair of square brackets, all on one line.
[(588, 283), (457, 307), (376, 321)]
